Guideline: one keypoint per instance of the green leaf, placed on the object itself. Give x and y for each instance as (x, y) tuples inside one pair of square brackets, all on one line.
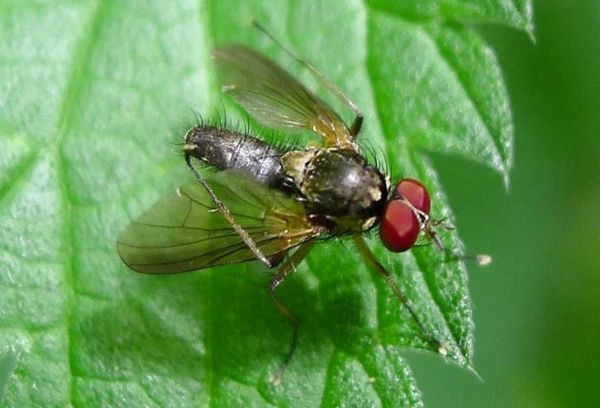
[(8, 361), (95, 96), (515, 13)]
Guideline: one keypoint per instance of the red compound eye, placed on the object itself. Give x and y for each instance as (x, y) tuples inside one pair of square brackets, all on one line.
[(399, 227), (416, 193)]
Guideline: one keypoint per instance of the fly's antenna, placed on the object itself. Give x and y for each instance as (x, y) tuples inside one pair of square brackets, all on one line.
[(357, 123), (432, 234)]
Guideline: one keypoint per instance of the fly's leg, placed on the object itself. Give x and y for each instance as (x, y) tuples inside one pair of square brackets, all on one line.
[(358, 118), (389, 279), (227, 214), (283, 272)]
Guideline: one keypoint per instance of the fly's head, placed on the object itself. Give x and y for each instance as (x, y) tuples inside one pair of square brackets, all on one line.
[(406, 216)]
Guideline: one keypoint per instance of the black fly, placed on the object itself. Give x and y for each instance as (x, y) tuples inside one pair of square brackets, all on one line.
[(272, 204)]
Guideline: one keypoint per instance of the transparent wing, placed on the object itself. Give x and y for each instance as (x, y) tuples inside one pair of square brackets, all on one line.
[(183, 231), (274, 97)]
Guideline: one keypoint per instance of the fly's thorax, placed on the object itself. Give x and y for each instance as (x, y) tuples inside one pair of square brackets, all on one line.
[(296, 162), (339, 188)]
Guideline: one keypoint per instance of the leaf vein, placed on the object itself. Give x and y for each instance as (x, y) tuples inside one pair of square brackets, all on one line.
[(18, 175), (493, 136), (76, 77)]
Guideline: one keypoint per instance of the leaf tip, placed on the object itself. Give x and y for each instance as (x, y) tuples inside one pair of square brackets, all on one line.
[(473, 371), (506, 179), (530, 30)]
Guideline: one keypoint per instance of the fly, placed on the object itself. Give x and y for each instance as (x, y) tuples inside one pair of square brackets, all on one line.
[(272, 204)]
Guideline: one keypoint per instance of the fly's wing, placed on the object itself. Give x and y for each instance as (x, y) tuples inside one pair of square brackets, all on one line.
[(275, 98), (184, 231)]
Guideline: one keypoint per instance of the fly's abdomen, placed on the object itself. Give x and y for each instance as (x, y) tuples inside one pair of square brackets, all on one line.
[(227, 149)]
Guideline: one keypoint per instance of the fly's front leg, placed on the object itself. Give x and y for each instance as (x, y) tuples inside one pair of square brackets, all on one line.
[(283, 272), (389, 279)]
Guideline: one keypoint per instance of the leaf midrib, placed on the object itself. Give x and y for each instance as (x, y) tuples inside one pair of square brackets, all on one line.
[(74, 86)]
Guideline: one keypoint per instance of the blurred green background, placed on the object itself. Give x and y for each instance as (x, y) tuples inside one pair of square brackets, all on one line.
[(537, 309)]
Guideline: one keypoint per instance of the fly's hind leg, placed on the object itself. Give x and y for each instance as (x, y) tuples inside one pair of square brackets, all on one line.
[(227, 214), (283, 272)]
